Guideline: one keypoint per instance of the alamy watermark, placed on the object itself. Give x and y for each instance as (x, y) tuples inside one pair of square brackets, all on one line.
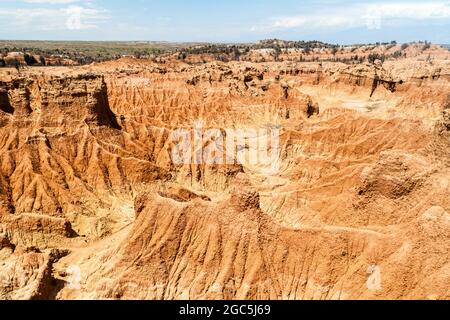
[(374, 280), (257, 149), (73, 21), (73, 277), (374, 17)]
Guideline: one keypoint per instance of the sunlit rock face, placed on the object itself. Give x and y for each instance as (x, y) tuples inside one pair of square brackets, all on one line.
[(354, 204)]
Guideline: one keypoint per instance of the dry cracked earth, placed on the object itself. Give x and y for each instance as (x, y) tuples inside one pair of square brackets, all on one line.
[(92, 205)]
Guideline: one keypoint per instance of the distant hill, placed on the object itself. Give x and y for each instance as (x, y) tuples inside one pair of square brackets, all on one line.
[(85, 52), (69, 53)]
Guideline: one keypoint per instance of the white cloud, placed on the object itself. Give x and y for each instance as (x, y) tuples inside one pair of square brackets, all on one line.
[(417, 11), (52, 1), (370, 15), (81, 15)]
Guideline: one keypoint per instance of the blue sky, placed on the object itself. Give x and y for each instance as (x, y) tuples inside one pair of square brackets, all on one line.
[(226, 20)]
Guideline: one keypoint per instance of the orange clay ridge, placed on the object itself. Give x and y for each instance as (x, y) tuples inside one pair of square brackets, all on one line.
[(92, 205)]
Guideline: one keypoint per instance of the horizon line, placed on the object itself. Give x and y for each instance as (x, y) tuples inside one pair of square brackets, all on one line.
[(217, 42)]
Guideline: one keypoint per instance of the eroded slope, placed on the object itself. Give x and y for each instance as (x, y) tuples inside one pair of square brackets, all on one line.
[(362, 186)]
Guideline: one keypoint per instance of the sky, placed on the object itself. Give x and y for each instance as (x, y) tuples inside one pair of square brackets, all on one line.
[(334, 21)]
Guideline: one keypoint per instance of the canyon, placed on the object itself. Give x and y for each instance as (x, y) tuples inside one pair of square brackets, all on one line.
[(92, 205)]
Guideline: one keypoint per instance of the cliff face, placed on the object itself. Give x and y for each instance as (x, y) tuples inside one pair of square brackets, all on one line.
[(361, 185), (62, 148), (204, 250), (55, 100)]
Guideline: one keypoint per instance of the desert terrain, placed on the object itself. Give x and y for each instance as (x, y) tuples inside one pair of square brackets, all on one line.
[(93, 205)]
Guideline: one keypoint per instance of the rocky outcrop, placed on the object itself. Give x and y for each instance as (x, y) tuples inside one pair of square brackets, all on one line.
[(395, 175), (358, 184), (217, 251), (79, 98)]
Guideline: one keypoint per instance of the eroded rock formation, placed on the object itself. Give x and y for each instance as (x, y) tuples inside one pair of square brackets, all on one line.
[(357, 208)]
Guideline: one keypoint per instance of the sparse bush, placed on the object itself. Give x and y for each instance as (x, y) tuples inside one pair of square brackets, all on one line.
[(426, 46), (30, 60), (375, 56), (397, 54), (277, 53), (182, 56), (237, 53), (389, 47)]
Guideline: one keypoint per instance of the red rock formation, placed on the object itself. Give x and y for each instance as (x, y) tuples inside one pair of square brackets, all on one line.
[(362, 185)]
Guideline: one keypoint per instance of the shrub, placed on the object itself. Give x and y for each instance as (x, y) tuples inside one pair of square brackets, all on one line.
[(397, 54), (29, 59), (375, 56)]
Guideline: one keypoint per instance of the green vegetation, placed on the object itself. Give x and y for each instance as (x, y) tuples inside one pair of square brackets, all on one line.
[(84, 52), (51, 53)]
